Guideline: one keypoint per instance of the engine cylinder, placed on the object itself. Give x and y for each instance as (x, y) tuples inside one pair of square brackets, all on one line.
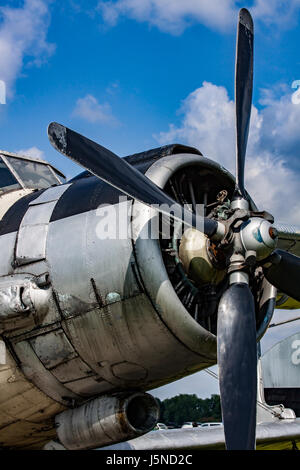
[(107, 420)]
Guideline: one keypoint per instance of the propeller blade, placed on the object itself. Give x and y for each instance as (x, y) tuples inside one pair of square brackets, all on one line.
[(118, 173), (243, 92), (285, 274), (237, 360)]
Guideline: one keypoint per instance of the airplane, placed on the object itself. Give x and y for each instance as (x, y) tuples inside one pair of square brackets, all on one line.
[(90, 322)]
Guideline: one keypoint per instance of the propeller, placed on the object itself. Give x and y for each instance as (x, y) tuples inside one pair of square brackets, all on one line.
[(247, 239), (237, 357), (243, 92), (120, 174), (284, 272), (253, 239)]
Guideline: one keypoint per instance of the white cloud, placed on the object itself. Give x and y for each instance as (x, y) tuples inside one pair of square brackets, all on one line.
[(33, 152), (171, 15), (91, 110), (22, 35), (208, 123), (175, 15), (276, 12)]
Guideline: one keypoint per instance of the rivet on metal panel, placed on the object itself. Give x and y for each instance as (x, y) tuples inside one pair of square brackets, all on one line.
[(113, 297), (103, 363)]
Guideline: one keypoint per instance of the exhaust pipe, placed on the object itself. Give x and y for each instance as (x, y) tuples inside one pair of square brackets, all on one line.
[(107, 420)]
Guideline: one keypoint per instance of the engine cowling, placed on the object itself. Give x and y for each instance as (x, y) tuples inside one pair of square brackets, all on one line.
[(119, 313)]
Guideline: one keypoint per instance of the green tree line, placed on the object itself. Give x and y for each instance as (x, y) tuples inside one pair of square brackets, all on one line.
[(185, 407)]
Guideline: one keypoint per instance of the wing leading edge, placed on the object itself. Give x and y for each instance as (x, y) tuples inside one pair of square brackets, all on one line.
[(278, 435), (288, 240)]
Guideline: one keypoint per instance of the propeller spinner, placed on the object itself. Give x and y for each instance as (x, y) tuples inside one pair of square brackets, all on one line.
[(247, 239)]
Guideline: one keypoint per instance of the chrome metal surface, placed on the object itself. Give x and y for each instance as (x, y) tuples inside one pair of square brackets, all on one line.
[(255, 236), (239, 204), (239, 277)]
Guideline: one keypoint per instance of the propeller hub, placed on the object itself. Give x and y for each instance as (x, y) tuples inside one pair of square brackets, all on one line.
[(259, 236)]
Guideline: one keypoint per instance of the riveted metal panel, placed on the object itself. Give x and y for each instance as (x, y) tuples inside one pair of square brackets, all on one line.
[(31, 244), (129, 372), (92, 268), (66, 254), (25, 412), (53, 348), (57, 354), (89, 386), (32, 235), (7, 245), (127, 336), (73, 369), (34, 370), (38, 214), (110, 261), (25, 435), (51, 194)]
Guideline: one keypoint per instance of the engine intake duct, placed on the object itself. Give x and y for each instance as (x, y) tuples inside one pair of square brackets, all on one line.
[(107, 420)]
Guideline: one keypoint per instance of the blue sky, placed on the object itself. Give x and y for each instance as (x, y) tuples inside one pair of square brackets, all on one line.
[(134, 74), (138, 71)]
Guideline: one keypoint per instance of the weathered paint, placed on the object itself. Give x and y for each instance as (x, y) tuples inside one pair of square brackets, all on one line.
[(78, 344)]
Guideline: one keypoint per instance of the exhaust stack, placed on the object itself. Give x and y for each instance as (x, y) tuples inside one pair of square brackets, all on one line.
[(107, 420)]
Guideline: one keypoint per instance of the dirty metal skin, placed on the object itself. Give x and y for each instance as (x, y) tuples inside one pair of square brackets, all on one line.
[(84, 317), (106, 419)]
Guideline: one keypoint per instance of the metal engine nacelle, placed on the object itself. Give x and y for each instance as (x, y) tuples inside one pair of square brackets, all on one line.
[(88, 315)]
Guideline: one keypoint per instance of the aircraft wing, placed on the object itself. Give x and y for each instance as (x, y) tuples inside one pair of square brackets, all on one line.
[(288, 240), (278, 435)]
